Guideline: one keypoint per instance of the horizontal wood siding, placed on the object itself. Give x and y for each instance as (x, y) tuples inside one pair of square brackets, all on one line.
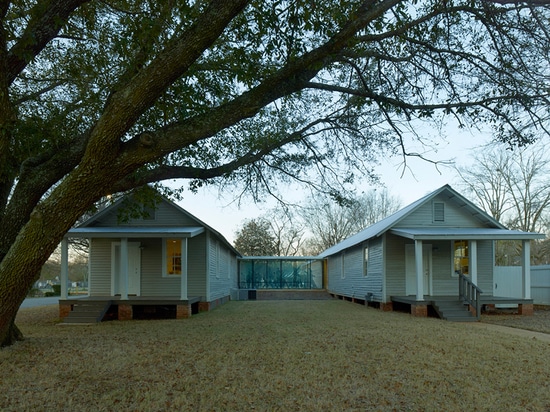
[(375, 269), (165, 215), (334, 273), (485, 265), (455, 216), (100, 267), (354, 283), (196, 260), (222, 269), (395, 265), (152, 281)]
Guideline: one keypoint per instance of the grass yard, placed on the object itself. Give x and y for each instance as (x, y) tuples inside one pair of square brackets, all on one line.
[(273, 356)]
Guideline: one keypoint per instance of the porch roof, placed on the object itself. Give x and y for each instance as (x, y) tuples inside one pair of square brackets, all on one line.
[(464, 233), (134, 231)]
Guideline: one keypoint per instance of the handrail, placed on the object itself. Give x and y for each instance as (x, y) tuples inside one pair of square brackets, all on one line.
[(470, 293)]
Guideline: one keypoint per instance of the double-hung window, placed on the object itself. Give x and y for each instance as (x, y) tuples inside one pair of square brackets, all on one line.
[(172, 257)]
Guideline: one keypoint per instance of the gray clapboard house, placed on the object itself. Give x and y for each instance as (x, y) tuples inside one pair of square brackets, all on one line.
[(163, 262), (436, 253)]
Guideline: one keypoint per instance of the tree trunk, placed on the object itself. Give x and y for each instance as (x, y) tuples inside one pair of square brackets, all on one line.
[(11, 335)]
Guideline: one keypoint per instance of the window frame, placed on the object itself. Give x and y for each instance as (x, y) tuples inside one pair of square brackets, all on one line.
[(165, 257), (441, 212), (465, 244), (366, 258)]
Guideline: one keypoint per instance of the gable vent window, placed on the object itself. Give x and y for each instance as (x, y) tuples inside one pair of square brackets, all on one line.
[(439, 212)]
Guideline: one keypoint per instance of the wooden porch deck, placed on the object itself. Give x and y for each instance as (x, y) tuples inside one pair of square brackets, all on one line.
[(134, 300), (485, 300)]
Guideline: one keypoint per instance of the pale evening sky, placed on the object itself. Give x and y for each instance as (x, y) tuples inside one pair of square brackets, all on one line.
[(221, 213)]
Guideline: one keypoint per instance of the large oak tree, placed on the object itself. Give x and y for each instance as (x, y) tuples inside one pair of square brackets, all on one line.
[(100, 97)]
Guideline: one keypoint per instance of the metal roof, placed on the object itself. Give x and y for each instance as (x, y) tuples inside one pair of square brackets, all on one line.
[(471, 233), (134, 231)]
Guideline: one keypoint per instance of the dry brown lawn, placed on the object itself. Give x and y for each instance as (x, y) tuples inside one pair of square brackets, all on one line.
[(272, 356)]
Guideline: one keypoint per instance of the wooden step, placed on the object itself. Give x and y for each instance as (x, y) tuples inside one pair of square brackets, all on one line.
[(87, 312), (454, 311)]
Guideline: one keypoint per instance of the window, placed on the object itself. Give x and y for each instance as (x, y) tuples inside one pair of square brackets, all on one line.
[(366, 260), (172, 257), (439, 211), (461, 257)]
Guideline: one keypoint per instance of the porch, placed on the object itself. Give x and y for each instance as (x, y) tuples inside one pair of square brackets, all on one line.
[(98, 308), (454, 308)]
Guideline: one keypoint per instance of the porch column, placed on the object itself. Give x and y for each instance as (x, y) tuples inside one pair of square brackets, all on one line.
[(418, 258), (64, 267), (526, 269), (473, 261), (124, 268), (183, 291)]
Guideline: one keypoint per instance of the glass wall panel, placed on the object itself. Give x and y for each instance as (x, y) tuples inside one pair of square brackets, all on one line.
[(280, 273), (246, 274)]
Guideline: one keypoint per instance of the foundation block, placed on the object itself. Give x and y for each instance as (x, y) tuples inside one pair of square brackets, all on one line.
[(183, 311), (125, 312), (526, 309), (64, 310), (386, 307), (419, 310)]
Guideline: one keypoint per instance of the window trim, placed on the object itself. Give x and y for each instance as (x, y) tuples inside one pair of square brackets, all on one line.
[(366, 258), (465, 257), (165, 273), (436, 214)]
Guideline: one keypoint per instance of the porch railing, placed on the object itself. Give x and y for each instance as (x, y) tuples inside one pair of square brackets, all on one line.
[(470, 293)]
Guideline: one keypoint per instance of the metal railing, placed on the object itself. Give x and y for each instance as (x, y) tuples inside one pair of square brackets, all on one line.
[(470, 293)]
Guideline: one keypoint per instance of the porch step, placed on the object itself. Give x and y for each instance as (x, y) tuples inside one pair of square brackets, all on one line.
[(453, 311), (87, 312)]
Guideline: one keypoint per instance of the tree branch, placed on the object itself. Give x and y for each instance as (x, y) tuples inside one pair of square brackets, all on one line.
[(48, 17), (164, 172)]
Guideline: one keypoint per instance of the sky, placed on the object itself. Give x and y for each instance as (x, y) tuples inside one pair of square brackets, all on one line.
[(219, 210)]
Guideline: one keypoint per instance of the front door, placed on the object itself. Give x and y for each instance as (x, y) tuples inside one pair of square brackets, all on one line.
[(134, 269), (410, 269)]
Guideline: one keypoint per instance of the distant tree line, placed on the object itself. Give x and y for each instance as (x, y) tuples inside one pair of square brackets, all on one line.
[(319, 224)]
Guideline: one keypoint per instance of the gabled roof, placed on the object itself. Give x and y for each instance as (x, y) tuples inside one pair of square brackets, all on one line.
[(492, 230), (87, 228)]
